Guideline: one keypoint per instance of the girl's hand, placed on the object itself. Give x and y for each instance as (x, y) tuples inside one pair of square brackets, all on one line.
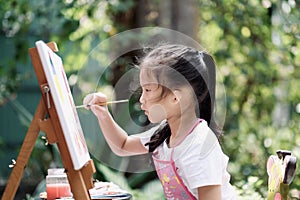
[(94, 98), (91, 101)]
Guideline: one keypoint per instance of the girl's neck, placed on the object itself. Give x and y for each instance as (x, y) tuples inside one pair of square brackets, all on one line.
[(180, 127)]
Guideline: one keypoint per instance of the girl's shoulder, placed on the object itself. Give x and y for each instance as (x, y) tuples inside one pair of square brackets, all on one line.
[(202, 140)]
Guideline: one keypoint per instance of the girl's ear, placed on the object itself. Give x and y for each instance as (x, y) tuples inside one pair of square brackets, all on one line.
[(177, 95)]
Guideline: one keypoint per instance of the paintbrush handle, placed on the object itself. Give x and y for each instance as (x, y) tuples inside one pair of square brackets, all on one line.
[(104, 103)]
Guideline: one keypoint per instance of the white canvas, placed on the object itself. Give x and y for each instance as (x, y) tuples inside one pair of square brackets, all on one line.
[(64, 103)]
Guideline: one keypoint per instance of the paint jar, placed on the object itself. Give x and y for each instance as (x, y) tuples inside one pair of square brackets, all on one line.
[(57, 184)]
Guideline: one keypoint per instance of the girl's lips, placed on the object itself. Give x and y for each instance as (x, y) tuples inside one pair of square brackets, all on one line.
[(145, 111)]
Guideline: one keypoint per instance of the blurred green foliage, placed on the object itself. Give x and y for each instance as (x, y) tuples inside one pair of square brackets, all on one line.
[(255, 44)]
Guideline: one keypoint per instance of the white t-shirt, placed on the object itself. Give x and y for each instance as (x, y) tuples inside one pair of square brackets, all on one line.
[(199, 159)]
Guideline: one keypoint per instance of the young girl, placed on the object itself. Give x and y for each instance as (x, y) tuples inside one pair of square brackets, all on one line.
[(178, 93)]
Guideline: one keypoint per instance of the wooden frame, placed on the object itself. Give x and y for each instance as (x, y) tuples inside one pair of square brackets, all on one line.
[(80, 180)]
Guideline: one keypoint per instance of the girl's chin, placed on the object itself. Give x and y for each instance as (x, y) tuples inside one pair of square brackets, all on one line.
[(156, 119)]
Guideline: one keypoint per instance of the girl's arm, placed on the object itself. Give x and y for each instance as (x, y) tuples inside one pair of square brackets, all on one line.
[(117, 139), (212, 192)]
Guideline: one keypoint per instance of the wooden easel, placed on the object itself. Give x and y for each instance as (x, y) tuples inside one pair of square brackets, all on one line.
[(80, 180)]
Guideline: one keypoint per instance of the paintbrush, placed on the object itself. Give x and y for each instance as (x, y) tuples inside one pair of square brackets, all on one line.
[(103, 103)]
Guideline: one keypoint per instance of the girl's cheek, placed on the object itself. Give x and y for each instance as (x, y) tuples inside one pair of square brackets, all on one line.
[(157, 113)]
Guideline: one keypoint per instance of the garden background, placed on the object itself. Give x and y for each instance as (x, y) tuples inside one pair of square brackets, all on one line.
[(255, 44)]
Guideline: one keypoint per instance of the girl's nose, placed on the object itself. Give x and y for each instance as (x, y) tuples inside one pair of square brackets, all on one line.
[(142, 99)]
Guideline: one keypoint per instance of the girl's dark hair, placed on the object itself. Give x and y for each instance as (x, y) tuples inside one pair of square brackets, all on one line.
[(176, 65)]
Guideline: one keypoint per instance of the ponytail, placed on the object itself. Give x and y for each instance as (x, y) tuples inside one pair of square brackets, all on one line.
[(207, 105), (159, 136)]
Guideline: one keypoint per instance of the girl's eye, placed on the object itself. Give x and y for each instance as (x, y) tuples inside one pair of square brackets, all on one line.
[(149, 88)]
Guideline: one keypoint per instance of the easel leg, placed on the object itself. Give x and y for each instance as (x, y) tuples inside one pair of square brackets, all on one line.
[(78, 186), (24, 155)]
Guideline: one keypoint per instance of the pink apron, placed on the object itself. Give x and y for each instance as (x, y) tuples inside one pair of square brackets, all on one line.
[(172, 183)]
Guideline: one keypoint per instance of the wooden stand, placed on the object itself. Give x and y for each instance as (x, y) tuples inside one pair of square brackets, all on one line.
[(80, 180)]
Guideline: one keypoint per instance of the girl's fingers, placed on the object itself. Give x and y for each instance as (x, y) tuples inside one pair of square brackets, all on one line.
[(88, 100), (98, 110), (94, 98)]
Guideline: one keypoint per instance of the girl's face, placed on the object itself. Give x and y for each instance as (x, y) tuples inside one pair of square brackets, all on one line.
[(152, 99)]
